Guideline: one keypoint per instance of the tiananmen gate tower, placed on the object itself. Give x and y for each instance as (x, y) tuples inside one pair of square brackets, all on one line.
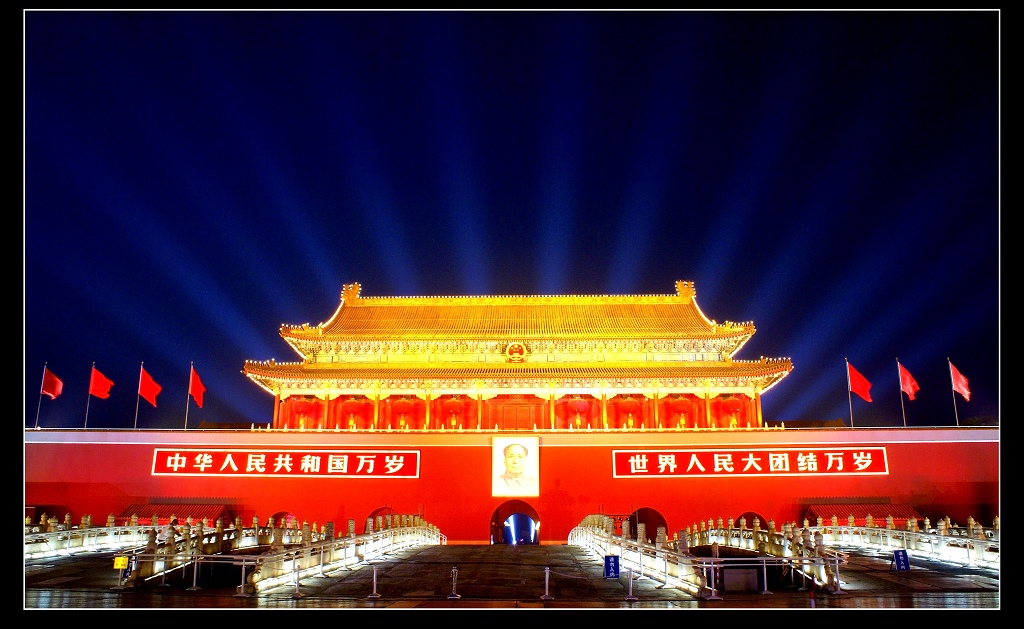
[(633, 406)]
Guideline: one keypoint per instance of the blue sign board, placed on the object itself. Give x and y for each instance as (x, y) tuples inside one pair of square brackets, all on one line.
[(611, 566), (900, 561)]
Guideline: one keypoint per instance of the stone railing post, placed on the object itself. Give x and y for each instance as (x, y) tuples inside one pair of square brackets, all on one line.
[(200, 545), (219, 545)]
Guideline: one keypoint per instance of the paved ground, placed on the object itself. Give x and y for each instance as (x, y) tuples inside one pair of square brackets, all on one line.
[(502, 577)]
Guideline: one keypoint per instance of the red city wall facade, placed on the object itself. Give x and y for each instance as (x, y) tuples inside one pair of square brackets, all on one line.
[(950, 472)]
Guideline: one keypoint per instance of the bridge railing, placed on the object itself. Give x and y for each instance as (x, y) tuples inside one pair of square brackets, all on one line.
[(67, 541), (703, 577), (282, 564), (982, 551), (955, 547), (64, 539)]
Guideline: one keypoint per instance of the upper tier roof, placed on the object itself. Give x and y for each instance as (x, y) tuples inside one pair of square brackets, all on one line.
[(519, 317), (521, 341)]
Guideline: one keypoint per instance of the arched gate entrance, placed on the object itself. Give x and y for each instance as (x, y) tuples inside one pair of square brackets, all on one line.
[(515, 522)]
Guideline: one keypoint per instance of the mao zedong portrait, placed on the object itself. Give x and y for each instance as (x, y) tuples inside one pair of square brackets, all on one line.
[(517, 479)]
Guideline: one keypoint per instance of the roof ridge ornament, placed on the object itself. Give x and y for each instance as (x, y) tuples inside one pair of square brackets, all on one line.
[(685, 290), (350, 292)]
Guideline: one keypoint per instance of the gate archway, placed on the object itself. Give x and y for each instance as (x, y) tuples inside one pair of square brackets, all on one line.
[(383, 512), (284, 519), (515, 522), (651, 519), (749, 516)]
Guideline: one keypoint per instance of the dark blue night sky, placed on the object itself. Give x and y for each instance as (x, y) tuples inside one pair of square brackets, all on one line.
[(193, 180)]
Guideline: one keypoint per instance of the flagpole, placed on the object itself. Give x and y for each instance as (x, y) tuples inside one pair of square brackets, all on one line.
[(137, 396), (849, 395), (953, 392), (188, 393), (89, 395), (40, 405), (903, 406)]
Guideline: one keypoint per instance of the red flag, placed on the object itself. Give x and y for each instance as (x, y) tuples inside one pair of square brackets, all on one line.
[(148, 388), (959, 382), (858, 383), (99, 385), (907, 382), (52, 385), (196, 388)]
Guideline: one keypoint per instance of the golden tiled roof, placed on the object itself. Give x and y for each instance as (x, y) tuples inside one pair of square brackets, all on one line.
[(529, 317), (531, 342)]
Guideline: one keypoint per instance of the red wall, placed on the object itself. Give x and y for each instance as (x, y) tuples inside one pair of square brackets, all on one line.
[(940, 472)]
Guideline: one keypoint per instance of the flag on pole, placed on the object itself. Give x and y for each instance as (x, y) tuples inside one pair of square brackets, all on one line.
[(148, 388), (858, 383), (959, 382), (907, 382), (196, 388), (52, 385), (99, 385)]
